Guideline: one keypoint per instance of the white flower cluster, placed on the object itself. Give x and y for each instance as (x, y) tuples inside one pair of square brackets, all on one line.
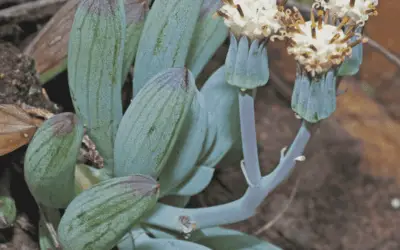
[(320, 52), (255, 19), (357, 10)]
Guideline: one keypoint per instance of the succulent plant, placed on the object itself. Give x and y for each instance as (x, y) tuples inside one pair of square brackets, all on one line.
[(163, 149)]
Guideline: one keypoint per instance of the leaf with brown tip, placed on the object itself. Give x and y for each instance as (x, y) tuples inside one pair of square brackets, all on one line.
[(49, 47)]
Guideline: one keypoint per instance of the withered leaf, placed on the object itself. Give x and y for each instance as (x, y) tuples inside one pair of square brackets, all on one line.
[(49, 47), (16, 128)]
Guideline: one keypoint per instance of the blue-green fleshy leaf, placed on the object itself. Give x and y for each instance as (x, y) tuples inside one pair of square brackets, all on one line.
[(222, 102), (95, 63), (127, 242), (50, 159), (175, 200), (225, 239), (196, 182), (165, 39), (188, 147), (99, 217), (135, 12), (153, 231), (168, 244), (152, 123), (208, 36)]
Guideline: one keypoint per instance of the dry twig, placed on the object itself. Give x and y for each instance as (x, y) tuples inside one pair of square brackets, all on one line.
[(30, 11), (278, 216)]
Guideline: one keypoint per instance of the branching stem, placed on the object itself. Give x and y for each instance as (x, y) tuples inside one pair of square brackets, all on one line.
[(170, 217)]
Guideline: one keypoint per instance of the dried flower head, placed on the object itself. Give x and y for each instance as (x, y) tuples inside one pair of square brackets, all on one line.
[(256, 19), (317, 45), (357, 11)]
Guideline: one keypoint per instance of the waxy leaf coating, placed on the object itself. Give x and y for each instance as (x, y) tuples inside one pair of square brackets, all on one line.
[(222, 102), (99, 217), (227, 239), (166, 38), (95, 63), (182, 161), (50, 160), (152, 123), (208, 36)]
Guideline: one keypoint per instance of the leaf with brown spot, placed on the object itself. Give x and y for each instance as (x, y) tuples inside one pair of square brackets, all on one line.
[(16, 128)]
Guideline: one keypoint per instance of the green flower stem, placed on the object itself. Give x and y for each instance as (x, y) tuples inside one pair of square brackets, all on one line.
[(249, 138), (169, 217)]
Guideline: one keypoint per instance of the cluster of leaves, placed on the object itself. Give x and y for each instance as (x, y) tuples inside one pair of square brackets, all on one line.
[(163, 149), (159, 152)]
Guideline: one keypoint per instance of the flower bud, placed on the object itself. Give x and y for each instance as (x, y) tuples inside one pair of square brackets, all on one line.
[(319, 48), (314, 98), (246, 65)]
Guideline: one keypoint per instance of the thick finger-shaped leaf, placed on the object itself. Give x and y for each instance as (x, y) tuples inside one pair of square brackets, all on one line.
[(127, 242), (156, 232), (50, 160), (152, 123), (51, 57), (99, 217), (197, 182), (226, 239), (168, 244), (208, 36), (165, 39), (188, 147), (222, 101), (135, 12), (175, 200), (16, 128), (95, 62), (211, 137)]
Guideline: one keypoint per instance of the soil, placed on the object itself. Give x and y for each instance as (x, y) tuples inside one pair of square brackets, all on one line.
[(342, 192), (19, 84)]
